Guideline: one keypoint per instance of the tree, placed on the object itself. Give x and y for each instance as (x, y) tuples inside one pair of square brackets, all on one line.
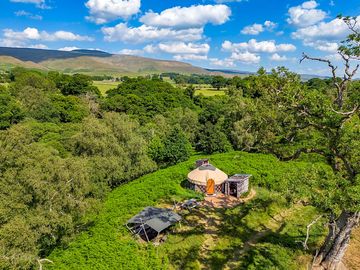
[(43, 198), (290, 118), (343, 132), (172, 149), (212, 139), (218, 82), (10, 110), (77, 84)]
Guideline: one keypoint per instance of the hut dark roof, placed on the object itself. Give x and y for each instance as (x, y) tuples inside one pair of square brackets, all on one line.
[(239, 177), (156, 218)]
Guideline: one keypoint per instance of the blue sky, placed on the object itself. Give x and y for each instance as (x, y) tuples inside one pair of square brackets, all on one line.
[(231, 34)]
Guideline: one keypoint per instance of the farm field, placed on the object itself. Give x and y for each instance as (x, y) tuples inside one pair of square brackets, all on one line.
[(104, 86), (209, 93), (205, 90), (264, 232)]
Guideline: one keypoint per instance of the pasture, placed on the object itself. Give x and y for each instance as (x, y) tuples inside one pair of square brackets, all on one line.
[(104, 86)]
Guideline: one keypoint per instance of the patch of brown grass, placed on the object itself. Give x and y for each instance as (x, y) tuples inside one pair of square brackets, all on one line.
[(352, 256)]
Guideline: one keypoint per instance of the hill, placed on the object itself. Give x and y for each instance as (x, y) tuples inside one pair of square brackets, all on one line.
[(7, 62), (93, 62), (119, 64), (39, 55)]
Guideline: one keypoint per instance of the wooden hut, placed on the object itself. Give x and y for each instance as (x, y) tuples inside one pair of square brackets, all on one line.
[(207, 179), (237, 184)]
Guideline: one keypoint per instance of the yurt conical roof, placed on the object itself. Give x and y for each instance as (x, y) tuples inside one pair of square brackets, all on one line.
[(200, 175)]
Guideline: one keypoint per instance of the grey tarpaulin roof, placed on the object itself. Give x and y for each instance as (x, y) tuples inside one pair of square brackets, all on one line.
[(157, 218)]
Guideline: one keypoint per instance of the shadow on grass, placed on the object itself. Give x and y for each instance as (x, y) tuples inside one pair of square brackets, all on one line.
[(243, 239)]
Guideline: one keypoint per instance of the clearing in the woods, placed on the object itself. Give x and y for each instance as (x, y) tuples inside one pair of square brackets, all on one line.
[(264, 231)]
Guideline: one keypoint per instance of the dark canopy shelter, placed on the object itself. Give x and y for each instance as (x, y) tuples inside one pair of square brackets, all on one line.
[(151, 221)]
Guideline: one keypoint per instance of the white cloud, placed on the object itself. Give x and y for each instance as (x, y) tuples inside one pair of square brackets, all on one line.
[(180, 50), (144, 33), (270, 25), (334, 57), (324, 36), (68, 49), (19, 38), (254, 29), (286, 47), (23, 13), (184, 48), (333, 30), (39, 46), (227, 62), (191, 57), (323, 45), (277, 57), (39, 3), (306, 14), (150, 48), (188, 17), (245, 57), (268, 46), (229, 1), (103, 11), (257, 28), (131, 52), (309, 5)]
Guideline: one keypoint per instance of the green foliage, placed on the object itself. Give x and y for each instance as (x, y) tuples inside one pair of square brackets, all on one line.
[(213, 140), (114, 148), (77, 84), (218, 82), (144, 98), (54, 176), (174, 148), (44, 199), (10, 110)]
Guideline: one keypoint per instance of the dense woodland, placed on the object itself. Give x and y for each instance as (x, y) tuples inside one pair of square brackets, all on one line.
[(64, 146)]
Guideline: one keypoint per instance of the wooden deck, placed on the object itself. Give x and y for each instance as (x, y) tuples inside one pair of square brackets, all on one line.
[(225, 201)]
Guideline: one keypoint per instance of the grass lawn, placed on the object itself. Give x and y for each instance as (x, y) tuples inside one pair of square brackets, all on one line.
[(266, 231), (104, 86)]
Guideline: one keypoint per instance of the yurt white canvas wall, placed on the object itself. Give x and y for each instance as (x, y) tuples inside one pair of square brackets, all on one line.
[(207, 179)]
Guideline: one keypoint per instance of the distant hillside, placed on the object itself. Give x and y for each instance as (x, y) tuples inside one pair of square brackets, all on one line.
[(39, 55), (95, 62), (304, 77), (7, 62), (92, 62), (123, 64)]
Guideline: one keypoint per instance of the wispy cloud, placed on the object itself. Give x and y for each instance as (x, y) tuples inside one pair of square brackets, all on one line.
[(23, 13)]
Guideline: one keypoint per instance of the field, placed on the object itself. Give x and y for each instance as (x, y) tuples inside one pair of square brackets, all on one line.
[(264, 233), (209, 92), (104, 86), (205, 89)]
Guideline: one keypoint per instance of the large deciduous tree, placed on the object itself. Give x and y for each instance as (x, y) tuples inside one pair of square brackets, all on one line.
[(341, 126), (289, 118)]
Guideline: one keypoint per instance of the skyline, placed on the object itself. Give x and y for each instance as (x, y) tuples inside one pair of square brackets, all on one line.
[(219, 34)]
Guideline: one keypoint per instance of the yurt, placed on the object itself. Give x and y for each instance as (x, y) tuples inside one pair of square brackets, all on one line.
[(207, 179)]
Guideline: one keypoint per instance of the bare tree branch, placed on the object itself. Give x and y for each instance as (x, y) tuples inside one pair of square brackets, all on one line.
[(41, 261), (308, 232)]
